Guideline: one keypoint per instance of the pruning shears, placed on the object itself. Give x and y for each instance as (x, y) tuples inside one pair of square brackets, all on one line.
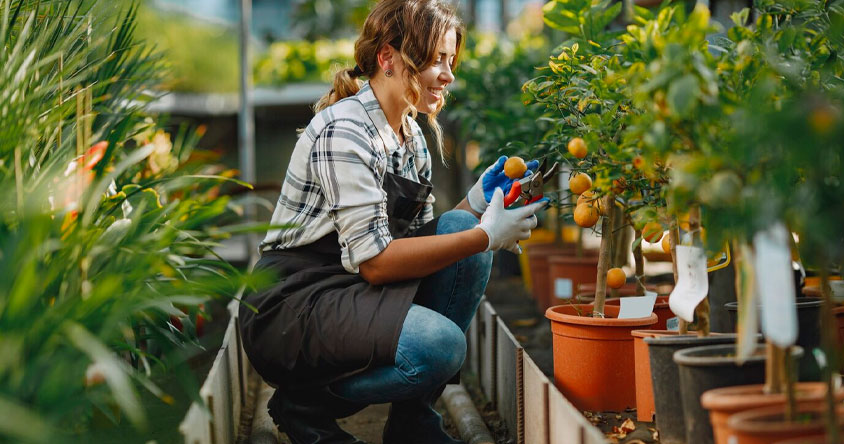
[(530, 188)]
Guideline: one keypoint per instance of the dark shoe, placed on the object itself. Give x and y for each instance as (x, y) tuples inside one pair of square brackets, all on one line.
[(309, 417), (416, 422)]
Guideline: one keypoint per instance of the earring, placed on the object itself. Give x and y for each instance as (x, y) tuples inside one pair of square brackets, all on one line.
[(388, 73)]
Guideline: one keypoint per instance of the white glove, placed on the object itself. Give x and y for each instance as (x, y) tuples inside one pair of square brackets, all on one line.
[(505, 228)]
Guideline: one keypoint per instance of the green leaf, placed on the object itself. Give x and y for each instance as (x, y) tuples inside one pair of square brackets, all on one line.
[(683, 94)]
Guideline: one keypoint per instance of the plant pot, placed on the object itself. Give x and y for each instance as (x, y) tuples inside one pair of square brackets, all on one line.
[(565, 273), (661, 309), (713, 366), (644, 386), (538, 255), (538, 236), (726, 401), (666, 381), (808, 334), (593, 357), (767, 425), (628, 289)]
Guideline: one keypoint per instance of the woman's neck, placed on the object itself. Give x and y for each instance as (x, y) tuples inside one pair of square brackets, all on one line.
[(392, 104)]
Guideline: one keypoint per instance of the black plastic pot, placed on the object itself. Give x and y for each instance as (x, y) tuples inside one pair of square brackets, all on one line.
[(709, 367), (668, 403), (808, 334)]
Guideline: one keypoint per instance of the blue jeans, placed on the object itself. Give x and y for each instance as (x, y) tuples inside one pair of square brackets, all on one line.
[(432, 344)]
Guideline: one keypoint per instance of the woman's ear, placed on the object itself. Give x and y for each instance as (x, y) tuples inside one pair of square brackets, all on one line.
[(385, 57)]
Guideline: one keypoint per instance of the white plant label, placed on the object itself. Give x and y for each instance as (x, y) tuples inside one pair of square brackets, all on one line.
[(563, 288), (637, 306), (775, 285), (692, 284)]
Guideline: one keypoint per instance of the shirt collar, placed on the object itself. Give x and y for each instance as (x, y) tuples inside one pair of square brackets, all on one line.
[(373, 109)]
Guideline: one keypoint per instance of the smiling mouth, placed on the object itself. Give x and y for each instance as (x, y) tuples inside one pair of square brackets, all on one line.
[(436, 92)]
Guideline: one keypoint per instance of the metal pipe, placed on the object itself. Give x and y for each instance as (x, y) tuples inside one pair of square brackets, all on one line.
[(246, 124)]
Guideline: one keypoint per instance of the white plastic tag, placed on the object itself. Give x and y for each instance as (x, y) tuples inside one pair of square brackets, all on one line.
[(563, 288), (637, 306), (692, 284), (775, 285)]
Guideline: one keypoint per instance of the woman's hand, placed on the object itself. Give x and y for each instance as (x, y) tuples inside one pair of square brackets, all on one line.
[(493, 178), (505, 228)]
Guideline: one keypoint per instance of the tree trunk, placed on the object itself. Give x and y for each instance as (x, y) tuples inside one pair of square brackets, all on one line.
[(603, 263), (639, 263), (828, 344)]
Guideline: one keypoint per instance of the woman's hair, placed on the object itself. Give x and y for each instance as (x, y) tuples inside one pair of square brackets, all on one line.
[(414, 28)]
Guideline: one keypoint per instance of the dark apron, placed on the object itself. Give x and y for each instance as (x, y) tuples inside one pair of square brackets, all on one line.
[(321, 323)]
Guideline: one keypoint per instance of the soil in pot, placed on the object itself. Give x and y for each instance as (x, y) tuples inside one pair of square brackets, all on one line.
[(665, 379), (713, 366), (726, 401), (767, 425), (661, 309), (644, 386), (808, 334), (593, 357)]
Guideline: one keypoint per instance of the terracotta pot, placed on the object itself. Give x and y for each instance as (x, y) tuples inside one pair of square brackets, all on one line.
[(645, 409), (661, 309), (566, 273), (766, 425), (726, 401), (538, 255), (628, 289), (593, 357), (538, 236), (814, 439)]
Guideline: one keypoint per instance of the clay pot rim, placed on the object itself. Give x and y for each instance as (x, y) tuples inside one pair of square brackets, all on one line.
[(567, 259), (691, 339), (800, 302), (742, 397), (754, 420), (687, 356), (655, 333), (553, 313)]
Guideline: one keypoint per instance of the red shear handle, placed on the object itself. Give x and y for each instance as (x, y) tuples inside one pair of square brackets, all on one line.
[(533, 199), (515, 191)]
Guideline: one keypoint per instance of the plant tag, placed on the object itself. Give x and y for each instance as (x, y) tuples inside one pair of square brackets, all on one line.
[(637, 306), (563, 288), (692, 284), (672, 324), (775, 285)]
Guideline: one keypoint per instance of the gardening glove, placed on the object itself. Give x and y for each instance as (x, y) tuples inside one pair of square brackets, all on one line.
[(481, 192), (505, 228)]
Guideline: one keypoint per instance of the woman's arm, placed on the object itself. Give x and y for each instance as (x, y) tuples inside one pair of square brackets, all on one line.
[(416, 257)]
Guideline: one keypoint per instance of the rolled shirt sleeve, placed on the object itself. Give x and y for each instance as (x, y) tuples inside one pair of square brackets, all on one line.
[(350, 170)]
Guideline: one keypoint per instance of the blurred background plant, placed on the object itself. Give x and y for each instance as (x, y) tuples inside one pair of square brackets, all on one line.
[(487, 103), (106, 230), (303, 61)]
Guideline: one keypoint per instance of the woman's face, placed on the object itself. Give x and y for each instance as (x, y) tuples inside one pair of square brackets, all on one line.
[(436, 77)]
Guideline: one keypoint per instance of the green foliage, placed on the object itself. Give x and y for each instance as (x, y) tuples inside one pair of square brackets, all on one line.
[(303, 61), (201, 57), (487, 101), (99, 247), (584, 90), (330, 19)]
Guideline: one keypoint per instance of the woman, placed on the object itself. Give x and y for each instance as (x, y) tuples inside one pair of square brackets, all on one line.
[(375, 295)]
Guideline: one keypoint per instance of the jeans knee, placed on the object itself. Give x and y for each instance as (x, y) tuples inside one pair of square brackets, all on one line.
[(455, 221), (437, 348)]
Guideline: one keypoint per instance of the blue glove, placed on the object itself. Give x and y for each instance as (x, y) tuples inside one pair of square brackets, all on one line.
[(481, 192)]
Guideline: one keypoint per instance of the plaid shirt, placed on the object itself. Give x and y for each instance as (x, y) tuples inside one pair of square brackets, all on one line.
[(335, 175)]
